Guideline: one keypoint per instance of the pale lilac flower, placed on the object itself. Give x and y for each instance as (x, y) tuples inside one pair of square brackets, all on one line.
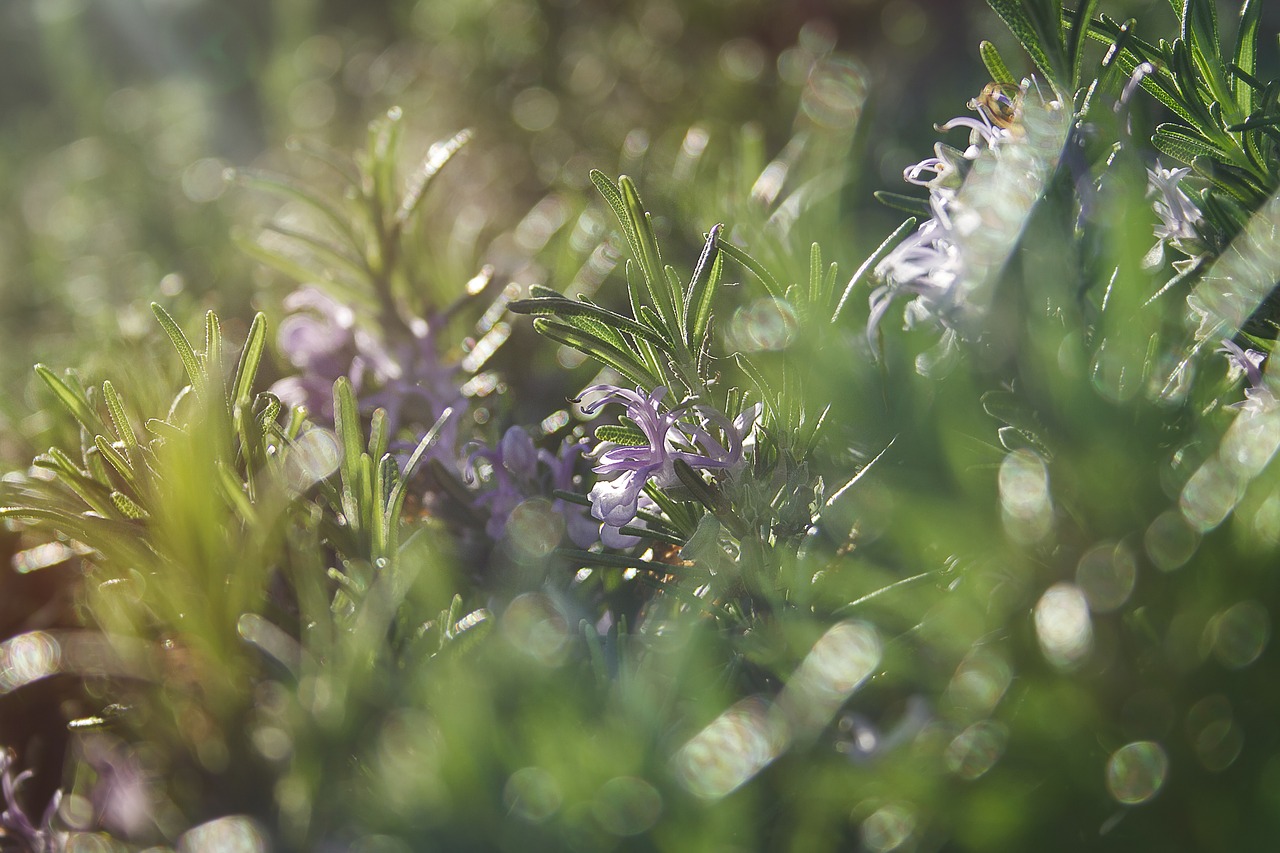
[(926, 265), (611, 536), (670, 435), (1249, 362), (406, 376), (517, 471), (15, 823), (950, 165), (319, 339), (979, 201), (415, 386), (929, 264), (1179, 216)]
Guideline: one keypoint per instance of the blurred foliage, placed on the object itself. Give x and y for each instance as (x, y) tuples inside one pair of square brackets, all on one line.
[(996, 580)]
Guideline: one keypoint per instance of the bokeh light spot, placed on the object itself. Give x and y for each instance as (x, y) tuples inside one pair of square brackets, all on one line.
[(976, 749), (313, 456), (1239, 634), (979, 682), (535, 109), (534, 529), (627, 805), (1024, 496), (742, 60), (839, 662), (732, 749), (1063, 625), (26, 658), (533, 624), (1106, 574), (1170, 541), (888, 828), (232, 834), (834, 93), (765, 325), (1136, 772), (205, 180), (531, 794)]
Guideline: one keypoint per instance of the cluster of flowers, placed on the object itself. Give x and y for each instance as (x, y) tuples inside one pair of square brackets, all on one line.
[(405, 377), (929, 264), (408, 379)]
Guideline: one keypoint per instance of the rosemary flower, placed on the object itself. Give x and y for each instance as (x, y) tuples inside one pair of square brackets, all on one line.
[(669, 435), (1179, 216)]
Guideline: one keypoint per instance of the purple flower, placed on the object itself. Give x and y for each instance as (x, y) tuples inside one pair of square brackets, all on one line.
[(14, 821), (1249, 362), (1179, 216), (669, 436), (518, 471), (406, 377)]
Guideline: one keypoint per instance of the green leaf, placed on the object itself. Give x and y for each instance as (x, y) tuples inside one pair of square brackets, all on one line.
[(74, 400), (1184, 76), (564, 307), (1179, 143), (188, 356), (250, 358), (124, 430), (815, 275), (395, 503), (346, 423), (378, 436), (613, 196), (289, 189), (621, 434), (1200, 33), (337, 255), (604, 332), (212, 345), (88, 530), (869, 264), (127, 507), (649, 258), (1037, 25), (1231, 179), (906, 203), (995, 63), (676, 293), (1076, 35), (611, 356), (654, 322), (1246, 54), (753, 266), (117, 461), (164, 429), (439, 154), (702, 290)]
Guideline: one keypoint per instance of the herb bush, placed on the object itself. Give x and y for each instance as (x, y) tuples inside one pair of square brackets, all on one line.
[(961, 544)]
